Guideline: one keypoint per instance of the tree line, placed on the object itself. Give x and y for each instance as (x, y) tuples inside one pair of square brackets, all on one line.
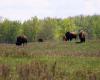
[(49, 28)]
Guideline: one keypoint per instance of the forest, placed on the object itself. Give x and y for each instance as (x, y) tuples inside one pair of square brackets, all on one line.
[(49, 28)]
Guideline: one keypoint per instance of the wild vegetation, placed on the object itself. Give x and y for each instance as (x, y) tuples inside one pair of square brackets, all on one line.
[(50, 61), (49, 28)]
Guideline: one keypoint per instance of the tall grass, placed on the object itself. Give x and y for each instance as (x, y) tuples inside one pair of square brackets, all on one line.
[(50, 61), (4, 72), (90, 48)]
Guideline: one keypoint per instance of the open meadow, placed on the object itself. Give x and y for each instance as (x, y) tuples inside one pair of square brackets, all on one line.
[(51, 60)]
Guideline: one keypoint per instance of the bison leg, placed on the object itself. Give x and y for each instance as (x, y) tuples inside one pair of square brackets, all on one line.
[(18, 43), (82, 40)]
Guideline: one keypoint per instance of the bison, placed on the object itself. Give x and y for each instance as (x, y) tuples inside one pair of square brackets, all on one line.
[(21, 40), (40, 40), (70, 35), (82, 36)]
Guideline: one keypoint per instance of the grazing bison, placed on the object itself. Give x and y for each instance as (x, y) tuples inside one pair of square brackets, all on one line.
[(40, 40), (82, 36), (70, 35), (21, 40)]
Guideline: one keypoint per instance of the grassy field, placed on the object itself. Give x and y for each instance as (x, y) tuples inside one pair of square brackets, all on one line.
[(50, 61)]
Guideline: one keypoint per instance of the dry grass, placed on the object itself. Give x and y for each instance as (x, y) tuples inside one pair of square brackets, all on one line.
[(4, 72), (50, 61), (90, 48)]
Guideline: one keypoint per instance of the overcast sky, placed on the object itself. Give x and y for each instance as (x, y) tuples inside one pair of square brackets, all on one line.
[(25, 9)]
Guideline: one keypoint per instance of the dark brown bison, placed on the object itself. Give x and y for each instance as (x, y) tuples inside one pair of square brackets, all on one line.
[(70, 35), (40, 40), (21, 40), (82, 36)]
